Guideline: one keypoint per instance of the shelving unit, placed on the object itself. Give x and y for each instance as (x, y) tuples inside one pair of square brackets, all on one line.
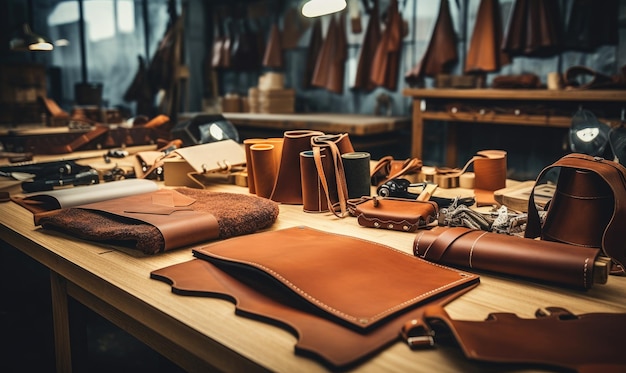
[(525, 107)]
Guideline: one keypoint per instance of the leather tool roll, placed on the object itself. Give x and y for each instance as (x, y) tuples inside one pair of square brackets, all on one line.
[(354, 282), (591, 342), (553, 262)]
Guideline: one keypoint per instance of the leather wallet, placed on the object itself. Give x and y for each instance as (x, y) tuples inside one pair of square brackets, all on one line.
[(394, 213)]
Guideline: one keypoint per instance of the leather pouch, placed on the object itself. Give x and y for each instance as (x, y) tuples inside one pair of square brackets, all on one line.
[(590, 342), (380, 282), (394, 213)]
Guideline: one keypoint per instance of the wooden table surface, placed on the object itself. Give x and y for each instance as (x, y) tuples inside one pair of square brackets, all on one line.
[(196, 332)]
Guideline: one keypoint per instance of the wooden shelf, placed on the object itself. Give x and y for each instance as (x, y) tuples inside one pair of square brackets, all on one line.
[(524, 107)]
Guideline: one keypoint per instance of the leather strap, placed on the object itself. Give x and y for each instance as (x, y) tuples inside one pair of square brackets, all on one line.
[(435, 251), (614, 175), (340, 208)]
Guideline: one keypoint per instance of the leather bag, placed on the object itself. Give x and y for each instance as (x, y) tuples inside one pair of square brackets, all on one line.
[(327, 151), (543, 261), (396, 214), (345, 298), (557, 338), (588, 208)]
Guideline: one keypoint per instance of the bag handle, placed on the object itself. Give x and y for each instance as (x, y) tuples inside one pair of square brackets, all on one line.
[(339, 208), (614, 175)]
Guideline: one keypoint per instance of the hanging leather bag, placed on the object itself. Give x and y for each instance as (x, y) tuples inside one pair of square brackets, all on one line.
[(588, 208)]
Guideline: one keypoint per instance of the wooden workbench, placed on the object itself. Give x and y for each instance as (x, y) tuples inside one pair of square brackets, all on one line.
[(204, 334)]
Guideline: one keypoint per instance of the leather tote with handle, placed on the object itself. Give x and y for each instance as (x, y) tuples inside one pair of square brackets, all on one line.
[(588, 207)]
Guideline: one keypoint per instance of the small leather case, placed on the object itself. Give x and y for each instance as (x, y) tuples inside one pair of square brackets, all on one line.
[(394, 213)]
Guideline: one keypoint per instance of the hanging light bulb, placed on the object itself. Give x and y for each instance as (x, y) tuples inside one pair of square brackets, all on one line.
[(27, 40), (316, 8)]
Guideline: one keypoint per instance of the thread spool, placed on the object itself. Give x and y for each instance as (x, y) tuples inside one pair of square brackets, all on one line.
[(356, 167)]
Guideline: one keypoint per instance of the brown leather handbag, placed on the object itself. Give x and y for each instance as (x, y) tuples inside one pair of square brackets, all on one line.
[(588, 208), (396, 214)]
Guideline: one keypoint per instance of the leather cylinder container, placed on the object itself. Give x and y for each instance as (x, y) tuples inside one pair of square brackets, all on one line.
[(264, 167), (580, 210), (288, 188), (247, 143), (489, 175), (313, 195), (546, 261), (356, 166)]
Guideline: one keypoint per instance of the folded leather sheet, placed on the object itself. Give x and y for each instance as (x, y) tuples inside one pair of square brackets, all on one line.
[(591, 342), (70, 197), (344, 297), (165, 219)]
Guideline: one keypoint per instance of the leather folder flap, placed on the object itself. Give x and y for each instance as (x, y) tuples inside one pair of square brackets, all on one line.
[(353, 281), (213, 156)]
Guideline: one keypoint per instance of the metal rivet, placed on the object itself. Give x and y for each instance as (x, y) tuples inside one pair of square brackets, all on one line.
[(390, 226), (406, 227), (376, 224)]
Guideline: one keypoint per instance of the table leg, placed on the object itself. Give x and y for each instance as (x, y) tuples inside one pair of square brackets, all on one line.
[(417, 131), (61, 321)]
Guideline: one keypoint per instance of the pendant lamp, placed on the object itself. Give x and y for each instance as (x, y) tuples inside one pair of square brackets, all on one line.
[(27, 40)]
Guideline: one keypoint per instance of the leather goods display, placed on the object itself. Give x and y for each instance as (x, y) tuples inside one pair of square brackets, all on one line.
[(396, 214), (388, 168), (368, 48), (588, 208), (441, 52), (544, 261), (330, 62), (484, 53), (327, 151), (299, 278), (385, 63), (164, 219), (288, 187), (534, 29), (70, 197), (313, 50), (556, 338), (273, 55)]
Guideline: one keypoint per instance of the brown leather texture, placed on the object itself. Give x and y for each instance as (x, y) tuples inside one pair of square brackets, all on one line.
[(330, 62), (165, 219), (362, 79), (484, 53), (288, 186), (534, 29), (388, 168), (441, 52), (378, 283), (583, 217), (395, 213), (333, 344), (543, 261), (557, 338), (385, 63)]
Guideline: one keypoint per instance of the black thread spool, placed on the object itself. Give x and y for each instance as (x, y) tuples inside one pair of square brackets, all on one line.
[(356, 166)]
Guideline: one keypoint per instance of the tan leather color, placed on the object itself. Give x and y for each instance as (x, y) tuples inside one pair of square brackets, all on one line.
[(552, 262), (353, 281), (585, 343)]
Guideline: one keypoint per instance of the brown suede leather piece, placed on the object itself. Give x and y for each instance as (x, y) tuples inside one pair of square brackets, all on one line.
[(236, 214)]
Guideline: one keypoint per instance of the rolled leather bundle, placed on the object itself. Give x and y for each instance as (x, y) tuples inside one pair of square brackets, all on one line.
[(545, 261)]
